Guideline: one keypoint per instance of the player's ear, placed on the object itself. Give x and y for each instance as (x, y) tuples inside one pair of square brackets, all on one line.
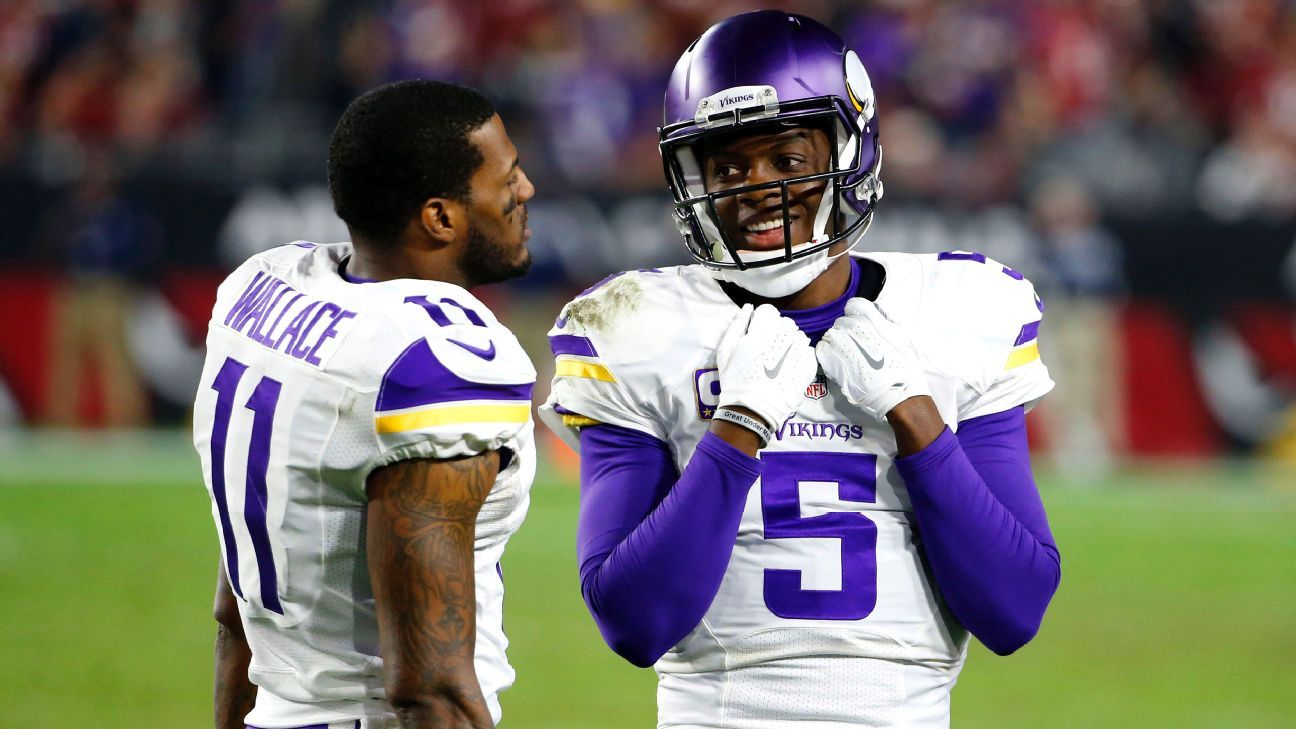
[(443, 219)]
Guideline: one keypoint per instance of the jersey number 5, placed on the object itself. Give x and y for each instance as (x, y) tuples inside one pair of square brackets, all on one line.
[(262, 403), (782, 481)]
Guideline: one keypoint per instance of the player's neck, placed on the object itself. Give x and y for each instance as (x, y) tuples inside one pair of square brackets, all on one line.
[(377, 263)]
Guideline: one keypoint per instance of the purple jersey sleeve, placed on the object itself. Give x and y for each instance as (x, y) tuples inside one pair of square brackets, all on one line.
[(653, 544), (983, 528)]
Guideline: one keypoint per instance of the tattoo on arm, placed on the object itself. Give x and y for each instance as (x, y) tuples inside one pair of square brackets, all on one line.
[(421, 525), (233, 694)]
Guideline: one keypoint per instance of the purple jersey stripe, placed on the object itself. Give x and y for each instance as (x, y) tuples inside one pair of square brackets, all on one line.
[(417, 378), (571, 344), (957, 256), (1028, 332)]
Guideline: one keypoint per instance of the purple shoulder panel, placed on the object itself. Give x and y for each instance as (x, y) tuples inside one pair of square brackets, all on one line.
[(571, 344), (1028, 332), (418, 378)]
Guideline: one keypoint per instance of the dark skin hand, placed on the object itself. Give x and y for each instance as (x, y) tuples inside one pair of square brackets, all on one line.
[(421, 522), (916, 423), (233, 694)]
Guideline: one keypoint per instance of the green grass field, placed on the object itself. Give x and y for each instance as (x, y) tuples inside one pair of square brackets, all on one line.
[(1177, 607)]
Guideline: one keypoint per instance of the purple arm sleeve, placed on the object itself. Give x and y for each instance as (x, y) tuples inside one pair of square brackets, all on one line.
[(983, 528), (653, 544)]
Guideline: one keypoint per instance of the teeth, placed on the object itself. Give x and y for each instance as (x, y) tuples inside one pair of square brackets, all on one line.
[(762, 227)]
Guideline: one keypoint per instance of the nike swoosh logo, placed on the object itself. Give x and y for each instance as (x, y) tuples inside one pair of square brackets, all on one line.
[(772, 372), (874, 363), (487, 354)]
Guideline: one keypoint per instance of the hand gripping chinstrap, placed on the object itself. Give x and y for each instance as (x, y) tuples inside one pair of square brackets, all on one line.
[(872, 359), (765, 364)]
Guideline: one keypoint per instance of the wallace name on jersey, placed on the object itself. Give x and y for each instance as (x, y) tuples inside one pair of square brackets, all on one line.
[(312, 382), (273, 314)]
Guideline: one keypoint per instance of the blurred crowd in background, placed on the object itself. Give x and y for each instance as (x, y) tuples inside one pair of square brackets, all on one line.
[(1153, 104), (1082, 141)]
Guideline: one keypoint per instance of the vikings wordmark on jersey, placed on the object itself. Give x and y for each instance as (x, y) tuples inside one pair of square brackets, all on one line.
[(836, 618), (311, 382)]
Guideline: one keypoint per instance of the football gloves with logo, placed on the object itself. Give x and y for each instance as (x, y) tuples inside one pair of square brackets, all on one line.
[(765, 364), (871, 359)]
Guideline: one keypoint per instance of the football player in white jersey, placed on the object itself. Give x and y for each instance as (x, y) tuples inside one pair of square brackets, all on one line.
[(804, 475), (365, 433)]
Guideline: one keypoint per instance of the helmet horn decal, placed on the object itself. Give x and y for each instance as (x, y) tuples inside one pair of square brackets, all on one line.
[(859, 87)]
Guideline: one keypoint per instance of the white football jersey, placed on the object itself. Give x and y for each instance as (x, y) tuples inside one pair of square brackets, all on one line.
[(827, 613), (311, 382)]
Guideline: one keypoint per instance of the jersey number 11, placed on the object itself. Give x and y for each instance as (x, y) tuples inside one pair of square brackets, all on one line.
[(262, 403)]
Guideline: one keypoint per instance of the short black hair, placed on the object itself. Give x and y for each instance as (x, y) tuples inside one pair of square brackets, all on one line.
[(398, 145)]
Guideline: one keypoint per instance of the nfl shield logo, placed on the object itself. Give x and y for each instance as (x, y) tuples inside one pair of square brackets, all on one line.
[(818, 388)]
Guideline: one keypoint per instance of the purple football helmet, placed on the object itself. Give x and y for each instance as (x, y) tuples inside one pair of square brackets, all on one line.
[(763, 71)]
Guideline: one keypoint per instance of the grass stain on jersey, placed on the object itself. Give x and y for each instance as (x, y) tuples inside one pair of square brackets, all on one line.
[(601, 309)]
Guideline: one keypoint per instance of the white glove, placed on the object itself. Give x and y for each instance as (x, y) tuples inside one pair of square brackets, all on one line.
[(872, 359), (765, 364)]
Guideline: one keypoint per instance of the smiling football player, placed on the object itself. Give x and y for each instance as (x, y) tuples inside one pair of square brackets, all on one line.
[(804, 473)]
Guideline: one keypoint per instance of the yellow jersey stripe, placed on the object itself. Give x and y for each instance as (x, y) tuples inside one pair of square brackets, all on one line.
[(1023, 355), (454, 415), (588, 370), (579, 421)]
